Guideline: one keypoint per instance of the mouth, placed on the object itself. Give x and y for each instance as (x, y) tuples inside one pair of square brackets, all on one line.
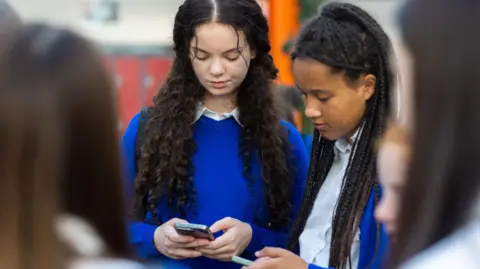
[(320, 126), (218, 84)]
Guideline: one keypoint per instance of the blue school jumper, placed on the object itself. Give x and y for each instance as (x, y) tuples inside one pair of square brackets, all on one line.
[(222, 191)]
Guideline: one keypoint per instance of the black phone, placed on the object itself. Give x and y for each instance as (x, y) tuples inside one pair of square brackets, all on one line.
[(195, 230)]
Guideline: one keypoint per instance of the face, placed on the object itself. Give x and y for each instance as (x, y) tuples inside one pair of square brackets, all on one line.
[(392, 166), (335, 106), (220, 58)]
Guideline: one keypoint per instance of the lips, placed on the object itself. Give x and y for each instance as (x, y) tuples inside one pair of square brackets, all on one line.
[(218, 84), (320, 126)]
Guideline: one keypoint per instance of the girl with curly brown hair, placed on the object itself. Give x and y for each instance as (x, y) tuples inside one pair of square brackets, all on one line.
[(212, 149)]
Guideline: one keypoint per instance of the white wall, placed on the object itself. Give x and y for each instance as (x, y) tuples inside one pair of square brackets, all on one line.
[(145, 22)]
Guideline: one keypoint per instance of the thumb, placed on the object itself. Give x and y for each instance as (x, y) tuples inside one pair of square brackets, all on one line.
[(223, 224), (175, 220), (271, 252)]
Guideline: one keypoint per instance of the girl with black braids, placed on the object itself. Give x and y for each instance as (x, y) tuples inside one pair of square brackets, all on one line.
[(341, 65), (213, 150)]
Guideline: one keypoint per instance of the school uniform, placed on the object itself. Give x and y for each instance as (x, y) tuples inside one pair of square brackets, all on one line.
[(315, 241), (221, 189)]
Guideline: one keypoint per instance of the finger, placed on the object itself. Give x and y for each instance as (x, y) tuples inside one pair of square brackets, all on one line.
[(183, 253), (172, 222), (262, 259), (271, 252), (262, 264), (197, 243), (223, 224), (172, 235), (228, 249), (220, 242), (222, 257)]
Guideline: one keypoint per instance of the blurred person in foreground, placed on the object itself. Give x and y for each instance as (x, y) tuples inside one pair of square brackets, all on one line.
[(439, 218), (392, 162), (9, 22), (61, 188)]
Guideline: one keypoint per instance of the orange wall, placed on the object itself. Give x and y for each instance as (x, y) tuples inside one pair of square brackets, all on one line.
[(283, 19)]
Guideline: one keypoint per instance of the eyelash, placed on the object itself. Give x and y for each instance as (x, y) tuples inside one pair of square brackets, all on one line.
[(228, 58), (323, 100)]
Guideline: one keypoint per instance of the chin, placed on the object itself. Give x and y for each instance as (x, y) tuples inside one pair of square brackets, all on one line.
[(328, 136), (220, 92)]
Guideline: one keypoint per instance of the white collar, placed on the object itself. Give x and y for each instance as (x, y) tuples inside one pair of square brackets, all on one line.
[(203, 110), (343, 144)]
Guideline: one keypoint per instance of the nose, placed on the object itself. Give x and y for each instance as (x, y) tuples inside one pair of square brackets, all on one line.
[(383, 213), (312, 111), (216, 68)]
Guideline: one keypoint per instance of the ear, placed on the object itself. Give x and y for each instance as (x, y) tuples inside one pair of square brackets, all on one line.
[(253, 54), (367, 87)]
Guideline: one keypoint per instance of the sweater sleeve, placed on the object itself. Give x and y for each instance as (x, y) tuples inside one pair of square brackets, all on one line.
[(313, 266), (263, 237), (140, 233)]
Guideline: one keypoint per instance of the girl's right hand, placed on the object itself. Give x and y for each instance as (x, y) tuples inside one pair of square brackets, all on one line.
[(175, 246)]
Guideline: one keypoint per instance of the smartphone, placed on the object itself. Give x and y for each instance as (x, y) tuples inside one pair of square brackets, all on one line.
[(195, 230), (241, 261)]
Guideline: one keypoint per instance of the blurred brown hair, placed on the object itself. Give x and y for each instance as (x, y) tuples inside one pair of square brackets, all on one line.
[(444, 175), (60, 146)]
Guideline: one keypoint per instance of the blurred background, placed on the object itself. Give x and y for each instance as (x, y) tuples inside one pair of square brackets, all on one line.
[(136, 36)]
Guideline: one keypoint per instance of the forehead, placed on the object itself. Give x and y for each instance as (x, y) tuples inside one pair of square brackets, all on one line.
[(217, 37), (310, 74)]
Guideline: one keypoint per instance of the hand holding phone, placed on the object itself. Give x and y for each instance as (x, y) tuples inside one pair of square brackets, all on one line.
[(176, 246), (195, 230)]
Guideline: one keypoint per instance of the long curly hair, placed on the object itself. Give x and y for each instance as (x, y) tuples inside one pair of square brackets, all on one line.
[(349, 40), (165, 168)]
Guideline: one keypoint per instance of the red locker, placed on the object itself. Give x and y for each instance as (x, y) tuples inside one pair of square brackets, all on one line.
[(128, 80), (157, 69)]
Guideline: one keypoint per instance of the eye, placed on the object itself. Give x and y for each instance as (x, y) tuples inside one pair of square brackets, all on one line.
[(199, 55), (201, 58), (232, 56), (323, 100), (232, 59)]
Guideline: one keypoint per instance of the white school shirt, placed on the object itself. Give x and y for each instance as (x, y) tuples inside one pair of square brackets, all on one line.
[(202, 110), (459, 250), (316, 238)]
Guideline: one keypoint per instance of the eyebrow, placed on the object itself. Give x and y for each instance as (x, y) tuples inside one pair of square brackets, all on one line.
[(315, 91), (227, 51)]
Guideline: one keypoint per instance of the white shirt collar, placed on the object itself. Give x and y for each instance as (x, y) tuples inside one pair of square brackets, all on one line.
[(343, 145), (202, 110)]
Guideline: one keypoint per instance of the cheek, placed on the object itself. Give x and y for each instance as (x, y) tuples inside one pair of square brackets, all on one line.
[(387, 209), (345, 112), (200, 69), (238, 70)]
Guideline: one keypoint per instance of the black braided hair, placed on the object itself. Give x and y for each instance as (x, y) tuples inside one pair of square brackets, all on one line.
[(349, 40)]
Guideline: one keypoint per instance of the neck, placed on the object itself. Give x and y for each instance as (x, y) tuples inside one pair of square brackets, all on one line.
[(220, 104)]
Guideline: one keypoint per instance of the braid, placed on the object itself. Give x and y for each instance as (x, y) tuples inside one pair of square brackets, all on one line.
[(349, 40), (320, 147)]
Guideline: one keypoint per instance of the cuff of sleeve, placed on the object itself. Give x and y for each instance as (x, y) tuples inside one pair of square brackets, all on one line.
[(147, 247)]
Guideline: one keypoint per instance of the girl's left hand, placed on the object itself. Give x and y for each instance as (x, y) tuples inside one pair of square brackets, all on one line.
[(277, 258), (237, 235)]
